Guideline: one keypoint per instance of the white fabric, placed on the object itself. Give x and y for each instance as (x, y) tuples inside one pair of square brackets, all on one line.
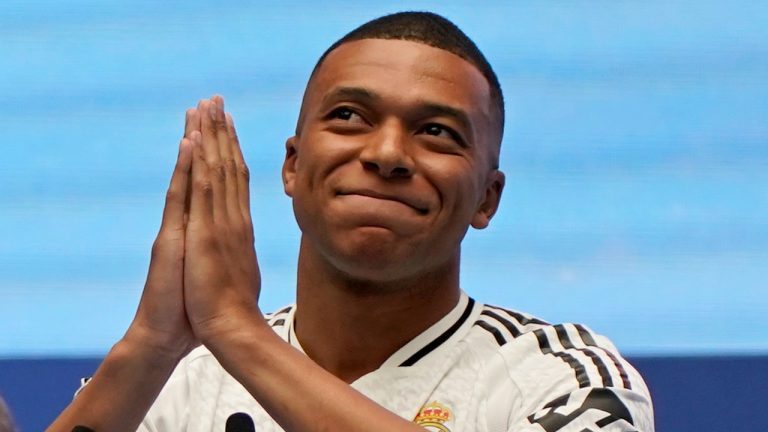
[(491, 374)]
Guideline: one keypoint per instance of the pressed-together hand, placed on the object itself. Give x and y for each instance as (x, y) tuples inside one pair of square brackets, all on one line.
[(137, 367), (221, 274), (161, 322), (203, 287)]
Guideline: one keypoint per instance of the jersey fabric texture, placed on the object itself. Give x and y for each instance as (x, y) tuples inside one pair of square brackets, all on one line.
[(479, 369)]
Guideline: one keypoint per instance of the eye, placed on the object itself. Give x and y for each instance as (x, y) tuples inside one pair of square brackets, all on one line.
[(345, 114), (440, 131)]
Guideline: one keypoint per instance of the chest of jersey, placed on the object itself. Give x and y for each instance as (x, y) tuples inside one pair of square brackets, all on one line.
[(440, 394)]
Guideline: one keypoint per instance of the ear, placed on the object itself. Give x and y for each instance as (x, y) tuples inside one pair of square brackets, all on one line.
[(494, 185), (289, 165)]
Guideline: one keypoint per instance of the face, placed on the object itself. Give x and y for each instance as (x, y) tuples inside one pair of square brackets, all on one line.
[(393, 159)]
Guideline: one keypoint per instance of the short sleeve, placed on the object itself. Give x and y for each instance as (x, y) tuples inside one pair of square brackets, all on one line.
[(591, 410), (570, 379)]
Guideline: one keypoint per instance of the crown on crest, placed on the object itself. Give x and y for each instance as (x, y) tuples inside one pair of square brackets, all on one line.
[(433, 412)]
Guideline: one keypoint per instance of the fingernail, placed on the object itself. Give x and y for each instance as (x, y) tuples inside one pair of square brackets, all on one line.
[(212, 111)]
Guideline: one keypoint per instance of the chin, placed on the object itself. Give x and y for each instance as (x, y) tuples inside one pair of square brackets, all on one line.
[(377, 261)]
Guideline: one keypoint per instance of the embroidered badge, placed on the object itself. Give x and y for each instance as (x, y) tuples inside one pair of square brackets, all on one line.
[(433, 417)]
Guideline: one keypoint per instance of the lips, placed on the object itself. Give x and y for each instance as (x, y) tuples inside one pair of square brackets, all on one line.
[(415, 203)]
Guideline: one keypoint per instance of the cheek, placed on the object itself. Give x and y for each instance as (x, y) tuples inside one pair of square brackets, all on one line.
[(455, 180), (322, 156)]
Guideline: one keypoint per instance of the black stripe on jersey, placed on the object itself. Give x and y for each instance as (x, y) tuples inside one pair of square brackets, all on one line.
[(492, 330), (590, 341), (505, 322), (283, 310), (442, 338), (579, 370), (565, 341), (522, 319), (274, 318), (606, 421)]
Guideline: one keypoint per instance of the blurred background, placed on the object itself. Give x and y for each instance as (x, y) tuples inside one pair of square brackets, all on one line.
[(636, 156)]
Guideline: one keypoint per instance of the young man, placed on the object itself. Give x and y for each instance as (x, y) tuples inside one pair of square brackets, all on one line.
[(395, 155)]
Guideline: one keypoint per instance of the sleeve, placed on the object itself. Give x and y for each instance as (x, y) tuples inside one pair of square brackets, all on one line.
[(590, 410), (569, 379)]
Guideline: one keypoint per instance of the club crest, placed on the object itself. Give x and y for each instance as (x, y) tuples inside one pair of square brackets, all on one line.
[(433, 417)]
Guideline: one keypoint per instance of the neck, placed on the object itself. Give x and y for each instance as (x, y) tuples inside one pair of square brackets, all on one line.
[(337, 314)]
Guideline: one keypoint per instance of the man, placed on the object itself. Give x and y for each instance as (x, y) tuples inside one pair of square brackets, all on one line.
[(395, 155)]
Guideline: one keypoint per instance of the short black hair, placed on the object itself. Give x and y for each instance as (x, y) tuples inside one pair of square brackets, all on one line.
[(430, 29)]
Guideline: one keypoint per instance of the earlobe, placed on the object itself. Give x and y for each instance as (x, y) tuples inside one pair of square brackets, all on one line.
[(490, 202), (289, 165)]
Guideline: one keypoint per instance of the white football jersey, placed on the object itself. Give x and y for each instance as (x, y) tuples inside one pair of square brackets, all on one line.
[(480, 368)]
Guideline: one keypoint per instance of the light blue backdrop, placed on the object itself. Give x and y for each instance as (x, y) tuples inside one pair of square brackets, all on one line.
[(636, 158)]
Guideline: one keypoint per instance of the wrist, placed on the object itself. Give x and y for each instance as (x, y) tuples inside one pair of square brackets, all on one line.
[(234, 335), (142, 344)]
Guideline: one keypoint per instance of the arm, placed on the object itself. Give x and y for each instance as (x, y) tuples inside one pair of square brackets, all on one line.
[(221, 286), (137, 367)]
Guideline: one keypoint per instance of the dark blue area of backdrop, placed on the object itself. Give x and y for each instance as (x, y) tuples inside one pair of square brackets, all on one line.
[(690, 394)]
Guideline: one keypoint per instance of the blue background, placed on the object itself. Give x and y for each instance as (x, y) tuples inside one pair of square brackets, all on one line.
[(636, 156)]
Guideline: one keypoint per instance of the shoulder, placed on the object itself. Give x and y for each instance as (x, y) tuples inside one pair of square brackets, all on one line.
[(552, 367), (530, 346)]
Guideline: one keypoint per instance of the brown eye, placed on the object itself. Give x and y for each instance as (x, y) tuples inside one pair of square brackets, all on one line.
[(342, 113), (345, 114), (436, 130), (440, 131)]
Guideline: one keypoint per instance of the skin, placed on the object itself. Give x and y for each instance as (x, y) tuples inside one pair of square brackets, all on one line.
[(384, 183)]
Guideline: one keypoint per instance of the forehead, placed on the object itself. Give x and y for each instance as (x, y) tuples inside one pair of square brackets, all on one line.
[(404, 72)]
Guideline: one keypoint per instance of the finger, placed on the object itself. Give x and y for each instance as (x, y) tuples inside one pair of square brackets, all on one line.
[(201, 198), (243, 174), (228, 161), (175, 199), (220, 124), (192, 122), (210, 148)]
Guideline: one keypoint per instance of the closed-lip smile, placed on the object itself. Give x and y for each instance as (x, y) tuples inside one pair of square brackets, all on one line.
[(413, 203)]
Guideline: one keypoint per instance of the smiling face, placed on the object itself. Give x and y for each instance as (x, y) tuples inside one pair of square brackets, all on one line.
[(393, 159)]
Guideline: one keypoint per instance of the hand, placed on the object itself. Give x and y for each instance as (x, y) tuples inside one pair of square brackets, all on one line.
[(161, 322), (221, 274)]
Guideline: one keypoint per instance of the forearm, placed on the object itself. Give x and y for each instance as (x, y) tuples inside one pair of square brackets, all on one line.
[(121, 391), (297, 393)]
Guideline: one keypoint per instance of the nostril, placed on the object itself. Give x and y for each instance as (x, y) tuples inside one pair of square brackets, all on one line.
[(370, 166), (386, 170), (400, 172)]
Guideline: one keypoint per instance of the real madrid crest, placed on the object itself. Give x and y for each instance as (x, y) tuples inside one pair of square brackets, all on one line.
[(433, 417)]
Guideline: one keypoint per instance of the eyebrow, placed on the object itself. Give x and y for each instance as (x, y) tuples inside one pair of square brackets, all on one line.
[(355, 93)]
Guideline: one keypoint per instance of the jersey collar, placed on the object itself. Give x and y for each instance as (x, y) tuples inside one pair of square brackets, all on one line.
[(437, 338)]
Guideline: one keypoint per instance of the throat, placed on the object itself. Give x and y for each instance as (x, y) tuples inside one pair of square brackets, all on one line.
[(353, 337), (351, 325)]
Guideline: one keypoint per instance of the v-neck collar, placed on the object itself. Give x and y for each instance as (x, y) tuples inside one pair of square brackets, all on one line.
[(437, 337)]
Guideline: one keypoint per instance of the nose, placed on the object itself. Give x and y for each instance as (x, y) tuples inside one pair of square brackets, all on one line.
[(387, 153)]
